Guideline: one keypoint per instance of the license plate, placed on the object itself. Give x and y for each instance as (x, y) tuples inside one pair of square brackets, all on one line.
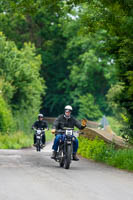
[(69, 132), (69, 142), (38, 137)]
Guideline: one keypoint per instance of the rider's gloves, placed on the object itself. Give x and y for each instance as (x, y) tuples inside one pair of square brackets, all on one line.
[(53, 131), (84, 122), (33, 128)]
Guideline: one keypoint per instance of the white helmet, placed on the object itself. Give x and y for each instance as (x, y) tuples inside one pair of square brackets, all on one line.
[(68, 108), (40, 115)]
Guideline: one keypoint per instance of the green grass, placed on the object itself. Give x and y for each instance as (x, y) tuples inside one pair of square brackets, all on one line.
[(49, 135), (19, 140), (15, 141), (98, 150), (115, 125)]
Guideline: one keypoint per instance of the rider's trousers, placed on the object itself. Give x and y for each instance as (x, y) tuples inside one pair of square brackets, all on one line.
[(62, 137)]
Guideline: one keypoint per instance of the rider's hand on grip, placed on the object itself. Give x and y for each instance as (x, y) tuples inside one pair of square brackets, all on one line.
[(53, 131), (84, 122)]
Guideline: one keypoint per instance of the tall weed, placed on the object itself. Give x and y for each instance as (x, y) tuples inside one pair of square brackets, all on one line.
[(19, 140), (98, 150)]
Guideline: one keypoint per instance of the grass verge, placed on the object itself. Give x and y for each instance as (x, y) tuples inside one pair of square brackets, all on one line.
[(19, 140), (98, 150)]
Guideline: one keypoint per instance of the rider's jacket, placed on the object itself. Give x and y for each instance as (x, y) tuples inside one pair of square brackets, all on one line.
[(40, 124), (62, 121)]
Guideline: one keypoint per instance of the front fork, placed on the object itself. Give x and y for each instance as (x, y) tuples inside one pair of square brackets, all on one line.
[(66, 143)]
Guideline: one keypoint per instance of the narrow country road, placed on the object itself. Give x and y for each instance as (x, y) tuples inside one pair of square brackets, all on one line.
[(30, 175)]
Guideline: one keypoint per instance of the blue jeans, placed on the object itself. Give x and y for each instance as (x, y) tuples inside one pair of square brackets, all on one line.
[(62, 137)]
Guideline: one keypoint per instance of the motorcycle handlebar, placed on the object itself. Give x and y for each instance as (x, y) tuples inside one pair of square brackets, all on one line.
[(60, 131), (35, 129), (63, 131)]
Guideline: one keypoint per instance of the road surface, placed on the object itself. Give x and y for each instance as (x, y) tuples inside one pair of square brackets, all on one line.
[(30, 175)]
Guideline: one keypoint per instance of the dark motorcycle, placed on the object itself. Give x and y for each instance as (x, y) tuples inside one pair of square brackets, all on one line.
[(65, 152), (38, 135)]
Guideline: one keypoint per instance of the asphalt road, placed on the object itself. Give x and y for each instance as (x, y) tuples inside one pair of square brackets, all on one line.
[(30, 175)]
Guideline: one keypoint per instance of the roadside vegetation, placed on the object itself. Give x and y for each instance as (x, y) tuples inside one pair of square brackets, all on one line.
[(115, 125), (99, 151), (20, 140), (53, 52)]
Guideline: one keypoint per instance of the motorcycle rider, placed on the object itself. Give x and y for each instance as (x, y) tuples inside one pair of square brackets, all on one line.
[(40, 124), (65, 120)]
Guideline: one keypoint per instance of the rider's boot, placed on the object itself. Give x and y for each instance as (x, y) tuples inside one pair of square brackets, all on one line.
[(43, 145), (75, 157), (54, 153)]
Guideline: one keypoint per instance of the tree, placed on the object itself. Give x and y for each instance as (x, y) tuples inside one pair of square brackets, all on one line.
[(21, 83), (88, 109), (92, 69), (6, 118), (116, 17), (86, 47), (43, 28)]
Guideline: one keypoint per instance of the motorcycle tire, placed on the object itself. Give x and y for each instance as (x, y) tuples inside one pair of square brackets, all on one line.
[(38, 145), (61, 159), (68, 157)]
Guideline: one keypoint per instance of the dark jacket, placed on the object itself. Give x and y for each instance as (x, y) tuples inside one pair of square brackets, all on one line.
[(40, 124), (62, 122)]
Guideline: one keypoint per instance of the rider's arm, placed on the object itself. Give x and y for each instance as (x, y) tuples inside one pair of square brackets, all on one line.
[(78, 124), (34, 125), (56, 123), (46, 125)]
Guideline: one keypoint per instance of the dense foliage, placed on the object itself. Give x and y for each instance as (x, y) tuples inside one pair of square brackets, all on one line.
[(98, 150), (6, 118), (56, 38), (19, 140), (116, 18), (86, 49), (20, 84)]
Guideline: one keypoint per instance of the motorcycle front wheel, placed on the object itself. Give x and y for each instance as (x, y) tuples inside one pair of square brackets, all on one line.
[(61, 158), (67, 157), (38, 145)]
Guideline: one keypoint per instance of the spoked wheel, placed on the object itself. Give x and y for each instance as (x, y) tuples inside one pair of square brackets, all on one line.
[(68, 158)]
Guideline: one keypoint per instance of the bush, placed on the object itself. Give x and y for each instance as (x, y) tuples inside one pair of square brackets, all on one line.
[(20, 83), (93, 149), (19, 140), (98, 150), (15, 141), (122, 159), (116, 125), (6, 119)]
